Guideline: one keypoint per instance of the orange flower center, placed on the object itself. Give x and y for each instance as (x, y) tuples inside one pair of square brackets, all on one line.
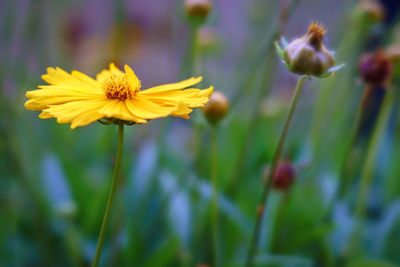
[(316, 32), (117, 87)]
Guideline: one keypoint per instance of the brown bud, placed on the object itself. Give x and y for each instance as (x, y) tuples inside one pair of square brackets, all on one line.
[(216, 108), (375, 68), (373, 9), (308, 55), (284, 176), (198, 8)]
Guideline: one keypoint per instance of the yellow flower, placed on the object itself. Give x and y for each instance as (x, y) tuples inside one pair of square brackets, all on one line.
[(80, 100)]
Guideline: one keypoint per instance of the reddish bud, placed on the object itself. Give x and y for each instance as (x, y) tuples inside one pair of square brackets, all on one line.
[(375, 68), (284, 176)]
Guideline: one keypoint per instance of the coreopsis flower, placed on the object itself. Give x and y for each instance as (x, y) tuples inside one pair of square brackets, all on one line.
[(216, 108), (114, 95), (308, 55)]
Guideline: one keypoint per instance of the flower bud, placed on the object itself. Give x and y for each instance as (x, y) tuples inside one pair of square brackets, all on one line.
[(198, 8), (308, 55), (375, 68), (216, 108), (373, 9), (284, 176)]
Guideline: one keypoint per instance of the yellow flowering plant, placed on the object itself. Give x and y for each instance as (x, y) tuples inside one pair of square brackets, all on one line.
[(114, 97)]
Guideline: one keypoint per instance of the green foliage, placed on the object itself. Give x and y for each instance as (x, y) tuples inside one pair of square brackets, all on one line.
[(54, 182)]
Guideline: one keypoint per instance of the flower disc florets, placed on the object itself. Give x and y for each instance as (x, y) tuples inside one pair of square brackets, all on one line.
[(117, 86)]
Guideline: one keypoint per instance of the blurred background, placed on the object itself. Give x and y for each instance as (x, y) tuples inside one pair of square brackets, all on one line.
[(345, 137)]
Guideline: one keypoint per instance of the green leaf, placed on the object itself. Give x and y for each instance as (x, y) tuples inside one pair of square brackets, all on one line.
[(164, 254), (370, 263), (279, 50)]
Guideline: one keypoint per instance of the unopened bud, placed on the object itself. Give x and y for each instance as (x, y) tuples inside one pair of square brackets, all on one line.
[(216, 108), (198, 8), (375, 68), (373, 9), (284, 176), (308, 55)]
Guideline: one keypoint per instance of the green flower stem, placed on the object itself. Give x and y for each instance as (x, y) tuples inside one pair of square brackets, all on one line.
[(214, 208), (367, 173), (110, 197), (279, 221), (268, 182), (189, 63)]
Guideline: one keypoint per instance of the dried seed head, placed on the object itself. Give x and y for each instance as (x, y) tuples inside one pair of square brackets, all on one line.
[(198, 8), (216, 108), (284, 176), (308, 55), (375, 68)]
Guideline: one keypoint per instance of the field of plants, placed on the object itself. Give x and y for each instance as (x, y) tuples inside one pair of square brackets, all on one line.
[(200, 133)]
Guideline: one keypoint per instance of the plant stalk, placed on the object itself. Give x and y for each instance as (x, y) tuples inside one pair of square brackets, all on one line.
[(367, 173), (263, 200), (110, 200), (214, 182)]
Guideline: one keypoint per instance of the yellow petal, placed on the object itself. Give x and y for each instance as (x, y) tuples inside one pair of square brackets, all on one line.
[(62, 78), (182, 111), (148, 109), (118, 109), (83, 112), (192, 97), (86, 79), (173, 86), (45, 115), (104, 74), (132, 78), (42, 98)]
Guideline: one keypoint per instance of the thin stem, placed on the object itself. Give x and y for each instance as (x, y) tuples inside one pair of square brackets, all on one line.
[(368, 170), (110, 197), (268, 182), (214, 181), (189, 63)]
